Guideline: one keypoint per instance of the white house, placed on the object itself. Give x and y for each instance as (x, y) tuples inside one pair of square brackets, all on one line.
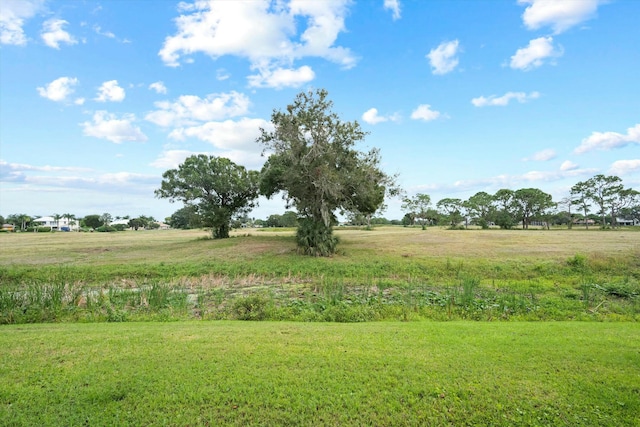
[(60, 224), (622, 221)]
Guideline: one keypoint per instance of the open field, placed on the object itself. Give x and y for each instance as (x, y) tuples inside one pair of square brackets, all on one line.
[(389, 273), (389, 372), (282, 373)]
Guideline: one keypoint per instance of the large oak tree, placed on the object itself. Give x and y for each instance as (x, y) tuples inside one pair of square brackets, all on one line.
[(215, 187), (314, 163)]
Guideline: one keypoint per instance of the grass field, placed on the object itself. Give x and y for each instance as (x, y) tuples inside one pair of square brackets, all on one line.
[(283, 373), (389, 273), (74, 367)]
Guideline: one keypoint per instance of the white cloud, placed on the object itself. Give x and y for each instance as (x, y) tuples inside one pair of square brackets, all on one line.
[(625, 167), (171, 159), (568, 165), (394, 7), (110, 91), (159, 87), (443, 58), (13, 14), (542, 156), (108, 126), (222, 74), (504, 100), (534, 55), (107, 34), (372, 117), (59, 89), (282, 77), (425, 113), (191, 109), (226, 135), (496, 182), (53, 34), (559, 15), (263, 31), (609, 140), (125, 178), (13, 169), (44, 178)]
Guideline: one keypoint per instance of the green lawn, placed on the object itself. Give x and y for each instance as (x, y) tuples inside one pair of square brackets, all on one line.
[(282, 373)]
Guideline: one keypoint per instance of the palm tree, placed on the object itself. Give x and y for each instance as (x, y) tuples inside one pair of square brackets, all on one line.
[(24, 219), (69, 217), (57, 217)]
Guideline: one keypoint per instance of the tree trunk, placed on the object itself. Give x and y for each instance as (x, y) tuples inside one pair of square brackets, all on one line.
[(221, 232)]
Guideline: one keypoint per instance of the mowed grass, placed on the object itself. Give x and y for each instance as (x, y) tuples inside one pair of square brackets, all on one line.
[(385, 274), (321, 374)]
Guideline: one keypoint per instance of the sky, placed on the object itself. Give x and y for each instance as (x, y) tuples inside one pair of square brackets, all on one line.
[(99, 98)]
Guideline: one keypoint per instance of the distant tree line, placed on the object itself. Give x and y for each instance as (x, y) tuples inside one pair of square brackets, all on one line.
[(599, 200)]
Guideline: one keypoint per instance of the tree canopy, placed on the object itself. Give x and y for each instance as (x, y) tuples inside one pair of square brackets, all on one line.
[(314, 163), (417, 207), (215, 187)]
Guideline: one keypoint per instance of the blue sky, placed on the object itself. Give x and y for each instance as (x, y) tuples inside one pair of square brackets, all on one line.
[(98, 99)]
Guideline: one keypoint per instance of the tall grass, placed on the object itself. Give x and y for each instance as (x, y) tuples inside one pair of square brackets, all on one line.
[(328, 300), (378, 275)]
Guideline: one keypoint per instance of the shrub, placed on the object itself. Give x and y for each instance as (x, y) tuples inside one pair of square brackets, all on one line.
[(578, 262), (314, 238), (253, 307)]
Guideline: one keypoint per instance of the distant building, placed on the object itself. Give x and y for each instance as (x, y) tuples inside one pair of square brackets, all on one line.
[(627, 222), (581, 221), (60, 224)]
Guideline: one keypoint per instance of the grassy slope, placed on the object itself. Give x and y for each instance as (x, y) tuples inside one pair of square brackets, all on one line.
[(245, 373)]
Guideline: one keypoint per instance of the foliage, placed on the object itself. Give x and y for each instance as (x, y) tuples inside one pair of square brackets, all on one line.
[(313, 161), (607, 193), (288, 219), (531, 203), (417, 207), (215, 186), (452, 209), (144, 222), (506, 210), (314, 238), (20, 221), (481, 208), (185, 218), (106, 218), (92, 221)]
